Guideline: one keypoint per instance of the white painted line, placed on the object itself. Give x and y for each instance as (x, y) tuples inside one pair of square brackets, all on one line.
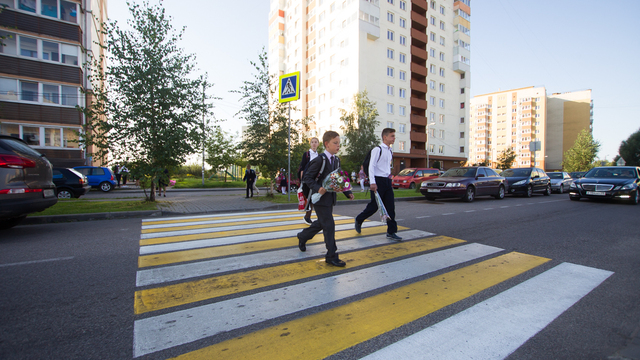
[(518, 204), (210, 267), (448, 214), (504, 207), (240, 226), (36, 261), (221, 221), (423, 217), (214, 216), (468, 211), (488, 209), (181, 327), (497, 327), (196, 244)]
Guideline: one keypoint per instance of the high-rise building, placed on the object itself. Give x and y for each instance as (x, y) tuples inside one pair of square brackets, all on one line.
[(539, 128), (412, 58), (43, 72)]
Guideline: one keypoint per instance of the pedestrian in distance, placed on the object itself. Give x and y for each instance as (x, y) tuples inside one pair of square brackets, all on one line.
[(116, 171), (307, 157), (313, 178), (163, 181), (250, 178), (380, 167), (362, 177), (124, 172), (283, 182)]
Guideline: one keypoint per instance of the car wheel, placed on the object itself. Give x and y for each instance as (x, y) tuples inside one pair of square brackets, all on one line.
[(412, 186), (9, 223), (574, 198), (529, 192), (500, 194), (561, 191), (470, 194), (548, 191), (64, 194), (636, 199), (106, 186)]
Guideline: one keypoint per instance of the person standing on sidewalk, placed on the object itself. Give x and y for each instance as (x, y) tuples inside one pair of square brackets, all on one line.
[(362, 176), (116, 171), (250, 178), (380, 181), (313, 177), (124, 173), (306, 159)]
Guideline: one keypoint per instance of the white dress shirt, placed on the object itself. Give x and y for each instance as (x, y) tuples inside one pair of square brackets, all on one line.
[(312, 154), (380, 165)]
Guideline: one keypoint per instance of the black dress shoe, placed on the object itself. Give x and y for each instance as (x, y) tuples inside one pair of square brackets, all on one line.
[(335, 262), (358, 227), (301, 244)]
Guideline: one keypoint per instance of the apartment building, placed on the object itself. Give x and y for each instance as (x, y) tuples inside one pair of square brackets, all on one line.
[(412, 57), (539, 128), (43, 73)]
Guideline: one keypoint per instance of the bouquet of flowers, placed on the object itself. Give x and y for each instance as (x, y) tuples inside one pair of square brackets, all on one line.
[(334, 182), (384, 215)]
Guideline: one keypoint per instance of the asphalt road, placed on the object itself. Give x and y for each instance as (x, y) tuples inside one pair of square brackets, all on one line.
[(67, 289)]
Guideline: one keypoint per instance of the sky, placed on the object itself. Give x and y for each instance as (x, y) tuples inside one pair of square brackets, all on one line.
[(563, 45)]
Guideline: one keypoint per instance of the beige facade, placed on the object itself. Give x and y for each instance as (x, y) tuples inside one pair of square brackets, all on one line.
[(539, 128), (411, 56)]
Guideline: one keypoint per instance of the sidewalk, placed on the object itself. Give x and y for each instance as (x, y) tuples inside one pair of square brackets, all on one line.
[(212, 201)]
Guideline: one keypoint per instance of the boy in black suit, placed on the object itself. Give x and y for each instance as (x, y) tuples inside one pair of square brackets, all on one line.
[(250, 178), (324, 207)]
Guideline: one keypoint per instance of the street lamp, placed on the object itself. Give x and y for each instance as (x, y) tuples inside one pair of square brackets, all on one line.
[(433, 123)]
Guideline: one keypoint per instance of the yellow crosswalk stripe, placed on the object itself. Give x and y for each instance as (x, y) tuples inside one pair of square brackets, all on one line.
[(189, 292), (244, 248), (219, 234), (214, 217), (204, 226), (328, 332)]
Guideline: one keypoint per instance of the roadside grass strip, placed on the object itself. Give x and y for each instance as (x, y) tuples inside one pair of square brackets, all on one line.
[(328, 332), (154, 299), (189, 235), (180, 327)]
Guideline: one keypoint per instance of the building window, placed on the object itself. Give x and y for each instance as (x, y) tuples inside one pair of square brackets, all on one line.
[(389, 71), (403, 75), (441, 56), (441, 134), (442, 103), (441, 118), (390, 2), (403, 5), (441, 149), (403, 23), (389, 90), (432, 36), (441, 9), (389, 35), (432, 84), (29, 91), (432, 117), (42, 136), (390, 54), (461, 90), (433, 5), (403, 58), (402, 110), (28, 47), (441, 87), (432, 148), (432, 100), (389, 108), (390, 17), (432, 52), (401, 128), (441, 25), (402, 93), (462, 120), (390, 124), (461, 105), (432, 68), (432, 20), (402, 145), (442, 72), (461, 134), (8, 89), (441, 40), (403, 40), (462, 149)]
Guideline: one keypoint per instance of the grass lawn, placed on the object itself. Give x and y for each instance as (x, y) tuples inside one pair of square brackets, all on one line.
[(282, 199), (77, 206), (196, 182)]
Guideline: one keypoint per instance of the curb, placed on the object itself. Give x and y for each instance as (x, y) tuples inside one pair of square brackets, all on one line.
[(36, 220)]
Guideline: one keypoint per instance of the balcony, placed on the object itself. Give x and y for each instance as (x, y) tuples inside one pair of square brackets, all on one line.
[(419, 103), (419, 37), (418, 22), (419, 53), (418, 152), (419, 69), (419, 86), (460, 67), (418, 137), (418, 120), (419, 5)]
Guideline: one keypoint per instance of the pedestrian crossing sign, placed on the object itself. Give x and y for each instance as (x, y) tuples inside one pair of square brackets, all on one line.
[(289, 87)]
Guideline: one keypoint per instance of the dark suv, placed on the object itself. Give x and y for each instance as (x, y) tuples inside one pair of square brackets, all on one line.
[(70, 183), (26, 184)]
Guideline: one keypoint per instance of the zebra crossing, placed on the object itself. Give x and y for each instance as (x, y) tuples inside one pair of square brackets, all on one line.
[(204, 279)]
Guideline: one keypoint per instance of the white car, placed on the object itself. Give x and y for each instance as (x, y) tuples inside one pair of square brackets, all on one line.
[(560, 181)]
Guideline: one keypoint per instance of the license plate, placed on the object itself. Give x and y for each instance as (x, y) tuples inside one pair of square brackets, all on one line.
[(48, 193), (599, 193), (433, 190), (396, 184)]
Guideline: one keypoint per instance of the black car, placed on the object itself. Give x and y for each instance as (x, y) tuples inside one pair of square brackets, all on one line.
[(26, 184), (608, 182), (465, 183), (526, 181), (70, 183)]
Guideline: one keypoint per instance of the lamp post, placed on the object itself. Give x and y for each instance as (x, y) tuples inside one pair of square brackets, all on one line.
[(433, 123)]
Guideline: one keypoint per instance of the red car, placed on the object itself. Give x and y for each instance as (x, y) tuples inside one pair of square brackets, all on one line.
[(409, 178)]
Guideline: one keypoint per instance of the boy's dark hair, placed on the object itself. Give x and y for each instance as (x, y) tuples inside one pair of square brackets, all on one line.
[(329, 135), (387, 131)]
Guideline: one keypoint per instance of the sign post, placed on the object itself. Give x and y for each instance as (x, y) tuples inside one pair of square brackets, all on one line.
[(289, 91)]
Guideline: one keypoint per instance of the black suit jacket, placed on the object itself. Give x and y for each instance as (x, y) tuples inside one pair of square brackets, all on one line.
[(309, 178), (249, 176)]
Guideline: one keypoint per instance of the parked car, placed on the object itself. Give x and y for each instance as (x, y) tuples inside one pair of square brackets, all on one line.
[(526, 181), (608, 182), (410, 178), (577, 174), (465, 183), (26, 184), (70, 183), (560, 181), (99, 177)]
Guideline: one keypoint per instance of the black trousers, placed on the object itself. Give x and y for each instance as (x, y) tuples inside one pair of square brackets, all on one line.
[(386, 194), (249, 187), (327, 225)]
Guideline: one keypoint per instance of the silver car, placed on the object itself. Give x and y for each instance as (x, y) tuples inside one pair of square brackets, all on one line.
[(560, 181), (26, 181)]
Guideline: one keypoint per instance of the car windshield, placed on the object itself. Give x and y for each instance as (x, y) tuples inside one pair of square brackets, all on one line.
[(407, 172), (516, 172), (612, 172), (555, 175), (460, 172)]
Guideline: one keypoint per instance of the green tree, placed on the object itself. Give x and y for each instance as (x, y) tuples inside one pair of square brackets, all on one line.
[(506, 159), (359, 126), (630, 149), (266, 140), (222, 150), (146, 107), (581, 155), (436, 164)]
